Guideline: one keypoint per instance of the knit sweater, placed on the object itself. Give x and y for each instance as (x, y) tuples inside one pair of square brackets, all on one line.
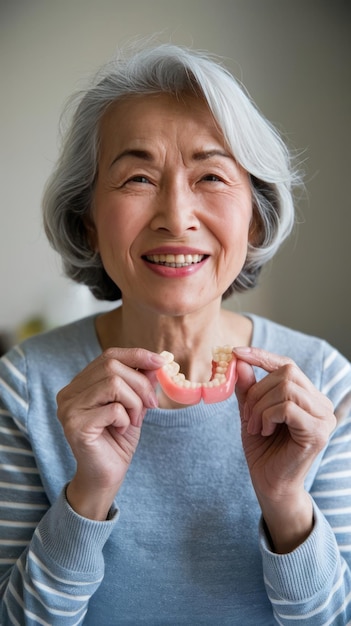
[(184, 543)]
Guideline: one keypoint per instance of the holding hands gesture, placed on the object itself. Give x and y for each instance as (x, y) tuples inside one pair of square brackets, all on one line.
[(286, 422)]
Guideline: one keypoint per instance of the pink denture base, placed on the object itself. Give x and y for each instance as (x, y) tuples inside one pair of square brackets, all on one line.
[(187, 395)]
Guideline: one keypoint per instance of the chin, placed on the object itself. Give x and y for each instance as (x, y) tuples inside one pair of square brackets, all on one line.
[(180, 307)]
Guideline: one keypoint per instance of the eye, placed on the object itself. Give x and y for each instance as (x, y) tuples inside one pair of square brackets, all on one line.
[(212, 178), (138, 179)]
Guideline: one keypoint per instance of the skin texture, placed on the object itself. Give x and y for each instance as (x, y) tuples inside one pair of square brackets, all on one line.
[(167, 184)]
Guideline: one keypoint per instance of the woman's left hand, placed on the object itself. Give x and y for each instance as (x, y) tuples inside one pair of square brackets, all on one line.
[(286, 422)]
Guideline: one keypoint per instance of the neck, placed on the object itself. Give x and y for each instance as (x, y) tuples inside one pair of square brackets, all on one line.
[(189, 337)]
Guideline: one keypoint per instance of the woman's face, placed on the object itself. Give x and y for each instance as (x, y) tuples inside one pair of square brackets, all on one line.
[(172, 208)]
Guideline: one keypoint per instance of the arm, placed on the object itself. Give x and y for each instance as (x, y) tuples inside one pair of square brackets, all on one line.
[(39, 562), (46, 573), (313, 582), (286, 423)]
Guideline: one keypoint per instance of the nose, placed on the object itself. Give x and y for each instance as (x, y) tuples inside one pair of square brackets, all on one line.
[(176, 209)]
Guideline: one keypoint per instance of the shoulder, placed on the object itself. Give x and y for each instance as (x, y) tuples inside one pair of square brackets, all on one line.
[(80, 333), (61, 352), (268, 333), (299, 346)]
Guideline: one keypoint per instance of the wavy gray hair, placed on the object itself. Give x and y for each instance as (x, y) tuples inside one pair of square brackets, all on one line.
[(252, 140)]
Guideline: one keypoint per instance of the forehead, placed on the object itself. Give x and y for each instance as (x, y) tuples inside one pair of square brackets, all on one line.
[(148, 117)]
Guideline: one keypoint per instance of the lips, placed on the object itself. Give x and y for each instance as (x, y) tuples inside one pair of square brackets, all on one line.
[(218, 388)]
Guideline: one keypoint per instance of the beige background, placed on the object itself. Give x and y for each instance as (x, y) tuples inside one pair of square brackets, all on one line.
[(294, 58)]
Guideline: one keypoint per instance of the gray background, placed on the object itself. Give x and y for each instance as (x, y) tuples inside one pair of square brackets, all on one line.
[(294, 58)]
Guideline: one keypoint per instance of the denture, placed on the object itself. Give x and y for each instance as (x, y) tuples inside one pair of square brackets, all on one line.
[(218, 388)]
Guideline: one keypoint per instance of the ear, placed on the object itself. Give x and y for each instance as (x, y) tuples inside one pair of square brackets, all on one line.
[(91, 234)]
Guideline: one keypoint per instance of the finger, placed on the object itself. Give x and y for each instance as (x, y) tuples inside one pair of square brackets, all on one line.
[(151, 376), (136, 380), (136, 358), (274, 390), (246, 379), (261, 358), (306, 430), (133, 358), (109, 369), (273, 363), (88, 426), (109, 390)]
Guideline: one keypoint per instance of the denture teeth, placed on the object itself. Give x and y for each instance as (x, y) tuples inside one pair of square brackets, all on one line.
[(219, 376), (221, 356), (179, 378), (173, 369), (168, 356), (212, 383), (222, 353)]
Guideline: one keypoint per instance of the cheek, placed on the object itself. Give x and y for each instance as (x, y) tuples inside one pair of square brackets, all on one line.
[(117, 238), (233, 233), (114, 232)]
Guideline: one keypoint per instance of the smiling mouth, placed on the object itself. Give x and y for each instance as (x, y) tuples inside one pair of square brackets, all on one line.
[(175, 260)]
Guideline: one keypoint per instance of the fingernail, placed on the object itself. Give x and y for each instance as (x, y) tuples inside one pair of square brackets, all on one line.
[(157, 359), (242, 350)]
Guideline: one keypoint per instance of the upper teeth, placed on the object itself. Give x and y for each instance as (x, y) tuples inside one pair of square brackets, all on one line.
[(177, 259)]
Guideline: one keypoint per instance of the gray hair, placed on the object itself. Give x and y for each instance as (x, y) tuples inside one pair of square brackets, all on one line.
[(253, 141)]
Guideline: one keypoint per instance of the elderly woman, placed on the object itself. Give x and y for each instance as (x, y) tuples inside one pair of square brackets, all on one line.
[(158, 497)]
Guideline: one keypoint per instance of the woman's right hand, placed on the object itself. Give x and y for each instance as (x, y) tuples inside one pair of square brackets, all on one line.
[(101, 412)]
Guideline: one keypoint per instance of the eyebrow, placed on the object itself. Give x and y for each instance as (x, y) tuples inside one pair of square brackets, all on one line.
[(144, 155), (209, 154), (139, 154)]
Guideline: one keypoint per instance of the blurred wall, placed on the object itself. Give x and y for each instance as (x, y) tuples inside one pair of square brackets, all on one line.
[(294, 58)]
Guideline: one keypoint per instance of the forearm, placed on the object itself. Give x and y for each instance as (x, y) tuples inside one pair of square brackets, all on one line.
[(311, 584), (91, 503), (65, 552), (288, 521)]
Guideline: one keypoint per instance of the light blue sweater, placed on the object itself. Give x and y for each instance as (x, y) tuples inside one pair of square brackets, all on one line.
[(184, 544)]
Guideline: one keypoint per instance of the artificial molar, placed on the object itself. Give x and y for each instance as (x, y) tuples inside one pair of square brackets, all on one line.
[(218, 388)]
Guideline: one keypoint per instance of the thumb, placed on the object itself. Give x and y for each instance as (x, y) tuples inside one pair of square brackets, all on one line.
[(246, 378), (151, 375)]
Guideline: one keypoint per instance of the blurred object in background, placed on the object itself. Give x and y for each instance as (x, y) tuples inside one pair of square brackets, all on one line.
[(6, 341), (67, 301), (63, 302), (30, 327)]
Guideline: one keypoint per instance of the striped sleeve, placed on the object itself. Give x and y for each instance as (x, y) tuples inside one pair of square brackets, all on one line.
[(312, 585), (22, 498), (50, 558)]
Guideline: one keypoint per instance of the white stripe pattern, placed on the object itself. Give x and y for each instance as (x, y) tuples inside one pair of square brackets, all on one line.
[(14, 370), (14, 394), (336, 379), (44, 592)]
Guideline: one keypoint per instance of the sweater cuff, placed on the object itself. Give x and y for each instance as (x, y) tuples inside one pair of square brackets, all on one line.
[(74, 542), (303, 572)]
